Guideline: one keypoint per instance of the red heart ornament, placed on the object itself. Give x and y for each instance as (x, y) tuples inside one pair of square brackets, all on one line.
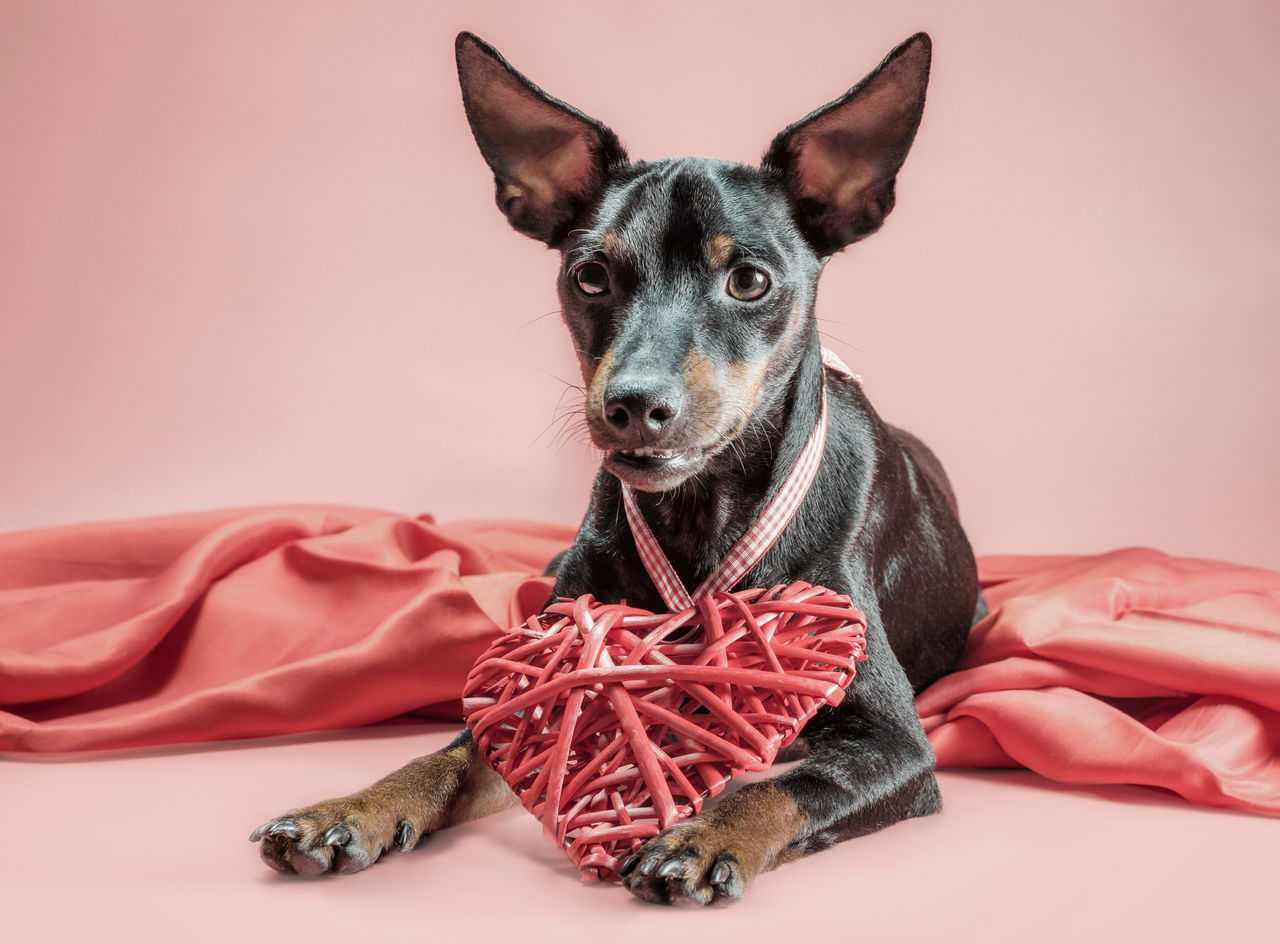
[(611, 723)]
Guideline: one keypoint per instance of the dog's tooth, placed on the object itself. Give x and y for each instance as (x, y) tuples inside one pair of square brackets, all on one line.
[(649, 451)]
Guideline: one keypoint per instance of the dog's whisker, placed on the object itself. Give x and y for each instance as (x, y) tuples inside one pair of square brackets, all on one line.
[(568, 418), (537, 318), (844, 324)]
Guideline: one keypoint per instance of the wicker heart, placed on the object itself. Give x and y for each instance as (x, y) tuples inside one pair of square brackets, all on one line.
[(611, 723)]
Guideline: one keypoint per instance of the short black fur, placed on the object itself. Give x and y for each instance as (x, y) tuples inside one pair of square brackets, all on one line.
[(688, 289), (879, 522)]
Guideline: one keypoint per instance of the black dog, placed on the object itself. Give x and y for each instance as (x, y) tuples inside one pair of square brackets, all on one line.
[(688, 286)]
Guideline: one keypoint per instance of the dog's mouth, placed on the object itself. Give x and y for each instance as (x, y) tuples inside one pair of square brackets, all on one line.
[(654, 470), (662, 468)]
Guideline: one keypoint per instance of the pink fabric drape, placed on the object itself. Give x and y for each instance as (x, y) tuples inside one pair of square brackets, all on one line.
[(1128, 667), (251, 622)]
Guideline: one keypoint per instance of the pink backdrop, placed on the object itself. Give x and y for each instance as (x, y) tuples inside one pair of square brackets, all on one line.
[(248, 253)]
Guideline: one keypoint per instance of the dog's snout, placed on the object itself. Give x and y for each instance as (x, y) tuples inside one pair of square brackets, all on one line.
[(645, 406)]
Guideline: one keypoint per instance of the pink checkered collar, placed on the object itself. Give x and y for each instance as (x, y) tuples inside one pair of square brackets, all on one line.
[(757, 540)]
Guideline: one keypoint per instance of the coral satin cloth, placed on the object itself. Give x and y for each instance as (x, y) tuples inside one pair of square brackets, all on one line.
[(1127, 667)]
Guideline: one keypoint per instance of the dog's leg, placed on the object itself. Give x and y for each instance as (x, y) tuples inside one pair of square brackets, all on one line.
[(348, 834), (870, 765)]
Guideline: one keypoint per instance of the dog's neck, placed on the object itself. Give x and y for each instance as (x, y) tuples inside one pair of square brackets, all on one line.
[(698, 522)]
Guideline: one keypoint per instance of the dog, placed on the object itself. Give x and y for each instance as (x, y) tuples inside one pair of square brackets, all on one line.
[(688, 288)]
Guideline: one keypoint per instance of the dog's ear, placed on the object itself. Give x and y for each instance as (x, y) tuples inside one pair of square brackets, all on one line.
[(839, 164), (548, 159)]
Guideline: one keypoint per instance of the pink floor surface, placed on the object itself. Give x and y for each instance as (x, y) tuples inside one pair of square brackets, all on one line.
[(152, 846)]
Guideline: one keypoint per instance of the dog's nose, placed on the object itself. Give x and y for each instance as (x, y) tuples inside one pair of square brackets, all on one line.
[(642, 406)]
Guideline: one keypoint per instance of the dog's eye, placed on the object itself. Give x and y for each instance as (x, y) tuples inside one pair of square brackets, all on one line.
[(592, 278), (747, 283)]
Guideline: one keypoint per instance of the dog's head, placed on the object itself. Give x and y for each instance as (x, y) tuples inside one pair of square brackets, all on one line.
[(688, 284)]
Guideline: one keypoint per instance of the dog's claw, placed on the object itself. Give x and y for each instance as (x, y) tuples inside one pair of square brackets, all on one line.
[(626, 868), (720, 873), (672, 868), (276, 827), (337, 836), (406, 836)]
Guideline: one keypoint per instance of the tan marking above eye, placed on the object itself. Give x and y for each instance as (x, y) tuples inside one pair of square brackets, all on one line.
[(719, 250), (612, 244)]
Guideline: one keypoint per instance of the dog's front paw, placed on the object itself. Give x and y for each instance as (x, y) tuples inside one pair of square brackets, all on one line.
[(345, 835), (691, 863)]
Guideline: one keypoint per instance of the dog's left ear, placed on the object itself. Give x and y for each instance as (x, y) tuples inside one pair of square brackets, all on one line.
[(840, 163), (549, 160)]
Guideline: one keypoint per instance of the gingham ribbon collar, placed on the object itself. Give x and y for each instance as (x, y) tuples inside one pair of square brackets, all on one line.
[(757, 540)]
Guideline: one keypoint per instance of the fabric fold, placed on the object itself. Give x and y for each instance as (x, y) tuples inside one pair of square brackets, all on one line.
[(250, 622), (1127, 667)]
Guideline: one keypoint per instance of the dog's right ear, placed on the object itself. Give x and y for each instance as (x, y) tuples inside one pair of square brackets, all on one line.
[(548, 159)]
